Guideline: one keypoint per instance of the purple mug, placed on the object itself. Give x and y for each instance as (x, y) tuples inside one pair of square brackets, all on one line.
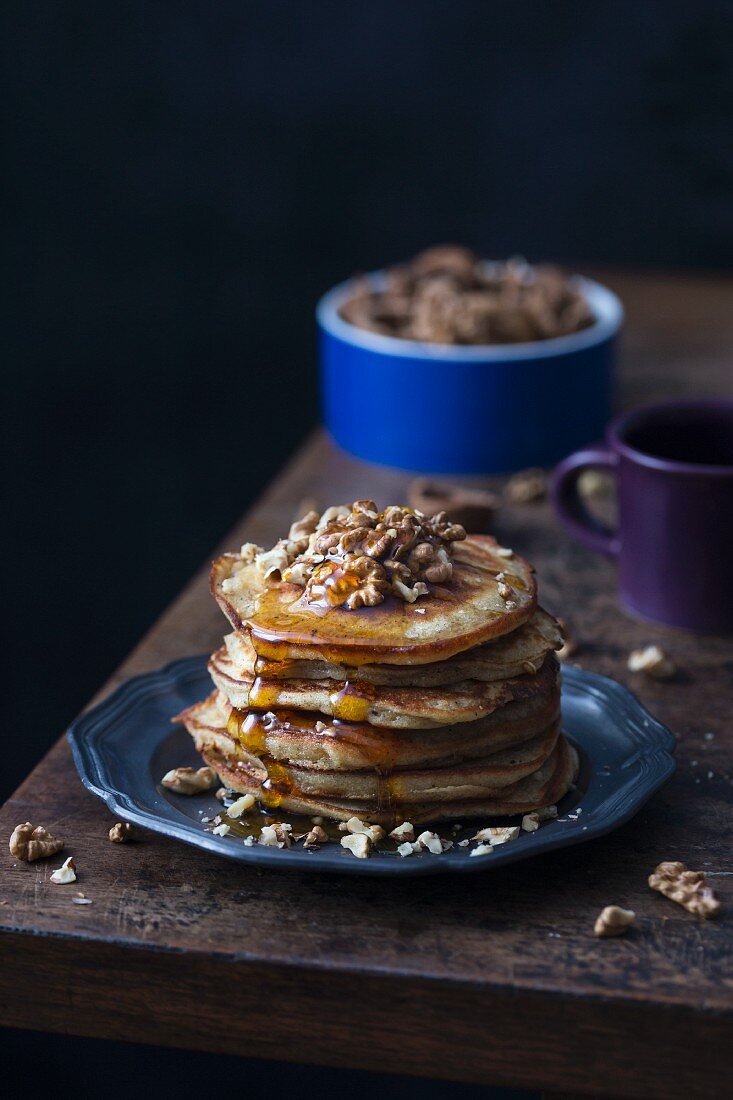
[(673, 465)]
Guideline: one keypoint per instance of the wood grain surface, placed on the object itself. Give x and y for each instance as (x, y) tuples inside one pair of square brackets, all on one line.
[(495, 978)]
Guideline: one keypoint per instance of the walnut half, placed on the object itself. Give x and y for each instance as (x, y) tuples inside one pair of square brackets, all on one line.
[(687, 888), (29, 843)]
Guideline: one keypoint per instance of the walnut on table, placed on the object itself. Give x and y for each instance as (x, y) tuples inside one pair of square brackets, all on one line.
[(64, 874), (30, 843), (653, 662), (614, 921), (122, 832), (526, 486), (687, 888), (189, 780)]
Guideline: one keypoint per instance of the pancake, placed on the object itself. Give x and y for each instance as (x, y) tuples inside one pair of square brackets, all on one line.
[(524, 650), (307, 741), (464, 612), (391, 707), (407, 786), (544, 787)]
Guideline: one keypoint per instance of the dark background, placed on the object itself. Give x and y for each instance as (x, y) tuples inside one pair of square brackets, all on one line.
[(182, 181)]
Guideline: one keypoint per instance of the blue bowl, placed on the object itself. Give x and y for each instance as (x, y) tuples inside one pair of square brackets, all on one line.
[(478, 409)]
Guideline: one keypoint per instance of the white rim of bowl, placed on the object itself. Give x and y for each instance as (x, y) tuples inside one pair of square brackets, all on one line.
[(607, 308)]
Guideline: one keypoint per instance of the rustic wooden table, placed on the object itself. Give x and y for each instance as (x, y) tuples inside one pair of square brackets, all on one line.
[(496, 978)]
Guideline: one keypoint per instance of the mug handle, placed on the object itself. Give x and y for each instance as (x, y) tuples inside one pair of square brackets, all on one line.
[(569, 506)]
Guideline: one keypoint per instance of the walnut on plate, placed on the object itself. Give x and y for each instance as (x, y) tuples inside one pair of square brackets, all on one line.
[(189, 780)]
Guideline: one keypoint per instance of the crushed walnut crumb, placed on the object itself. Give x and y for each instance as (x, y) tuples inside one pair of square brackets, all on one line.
[(64, 874), (653, 662), (121, 832), (359, 844), (497, 834), (403, 832), (614, 921), (315, 837), (354, 556)]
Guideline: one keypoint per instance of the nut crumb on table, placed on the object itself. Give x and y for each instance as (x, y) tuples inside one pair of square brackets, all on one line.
[(614, 921), (653, 662)]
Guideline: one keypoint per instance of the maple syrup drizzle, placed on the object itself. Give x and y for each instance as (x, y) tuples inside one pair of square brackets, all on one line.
[(249, 729), (353, 701)]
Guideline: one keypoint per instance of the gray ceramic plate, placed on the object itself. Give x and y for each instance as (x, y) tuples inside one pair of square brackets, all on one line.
[(123, 747)]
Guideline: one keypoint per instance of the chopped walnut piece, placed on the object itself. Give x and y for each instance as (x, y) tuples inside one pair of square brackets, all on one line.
[(431, 842), (122, 832), (241, 805), (406, 849), (653, 662), (614, 921), (481, 850), (359, 844), (283, 832), (374, 832), (569, 644), (268, 837), (547, 813), (531, 822), (355, 556), (189, 780), (687, 888), (223, 794), (29, 843), (405, 831), (221, 830), (498, 834), (65, 873), (526, 486), (315, 837)]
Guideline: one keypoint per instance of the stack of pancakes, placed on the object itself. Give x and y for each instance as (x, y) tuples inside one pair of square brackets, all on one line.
[(429, 707)]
